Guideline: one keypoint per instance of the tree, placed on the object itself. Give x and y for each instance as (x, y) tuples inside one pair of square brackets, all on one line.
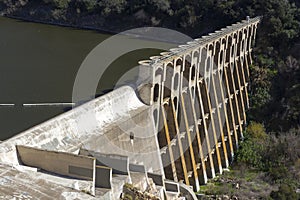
[(61, 4), (252, 148), (109, 7)]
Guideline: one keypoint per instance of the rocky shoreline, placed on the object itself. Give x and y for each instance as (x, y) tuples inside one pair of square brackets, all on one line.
[(72, 17), (76, 16), (105, 30)]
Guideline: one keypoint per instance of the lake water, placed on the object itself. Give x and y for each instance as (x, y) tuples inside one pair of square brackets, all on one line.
[(38, 64)]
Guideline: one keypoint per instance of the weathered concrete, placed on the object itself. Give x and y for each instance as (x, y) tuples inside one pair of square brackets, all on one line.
[(199, 95), (118, 163), (108, 125), (137, 168), (157, 179), (103, 177), (187, 192), (15, 184), (139, 180), (185, 128), (67, 164), (172, 187), (118, 182), (106, 122)]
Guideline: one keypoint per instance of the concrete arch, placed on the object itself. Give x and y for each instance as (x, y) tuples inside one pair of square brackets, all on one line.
[(159, 72), (179, 63), (195, 56)]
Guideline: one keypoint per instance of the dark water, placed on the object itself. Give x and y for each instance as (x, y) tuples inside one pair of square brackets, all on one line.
[(38, 63)]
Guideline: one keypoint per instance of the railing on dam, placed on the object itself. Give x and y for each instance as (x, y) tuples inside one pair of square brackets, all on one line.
[(199, 94)]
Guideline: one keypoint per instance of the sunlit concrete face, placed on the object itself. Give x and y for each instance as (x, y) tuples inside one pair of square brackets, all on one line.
[(183, 124), (199, 93)]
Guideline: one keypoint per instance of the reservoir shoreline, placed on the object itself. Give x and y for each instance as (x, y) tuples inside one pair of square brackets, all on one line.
[(60, 23), (103, 30)]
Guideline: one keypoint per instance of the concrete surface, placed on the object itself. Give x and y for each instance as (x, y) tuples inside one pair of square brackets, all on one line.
[(22, 185), (103, 177), (187, 89), (62, 163)]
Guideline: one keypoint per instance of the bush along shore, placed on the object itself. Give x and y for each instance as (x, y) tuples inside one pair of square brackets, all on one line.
[(46, 12), (119, 15)]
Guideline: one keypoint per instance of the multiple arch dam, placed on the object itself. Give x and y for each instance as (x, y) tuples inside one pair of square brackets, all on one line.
[(200, 94), (180, 127)]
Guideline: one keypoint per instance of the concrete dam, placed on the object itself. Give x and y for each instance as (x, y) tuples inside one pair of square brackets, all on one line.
[(177, 129)]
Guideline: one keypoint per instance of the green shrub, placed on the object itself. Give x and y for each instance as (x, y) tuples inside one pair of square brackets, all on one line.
[(285, 192), (61, 4), (251, 150), (278, 173), (250, 153), (109, 7), (90, 5), (256, 131)]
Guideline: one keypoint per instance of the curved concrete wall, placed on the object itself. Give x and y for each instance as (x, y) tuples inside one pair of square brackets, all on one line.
[(102, 125)]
